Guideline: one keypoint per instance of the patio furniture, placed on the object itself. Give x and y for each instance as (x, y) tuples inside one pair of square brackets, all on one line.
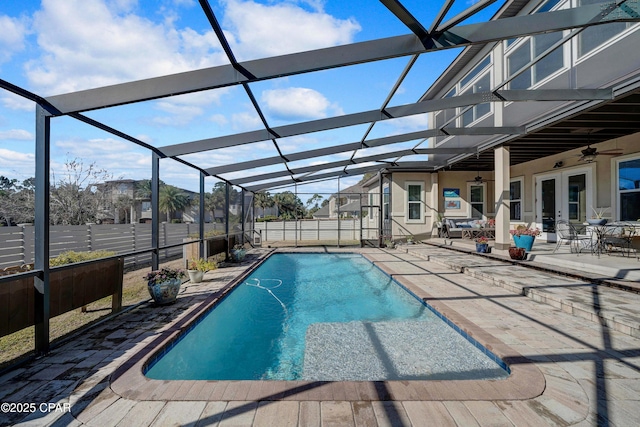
[(474, 233), (466, 227), (618, 236), (566, 232)]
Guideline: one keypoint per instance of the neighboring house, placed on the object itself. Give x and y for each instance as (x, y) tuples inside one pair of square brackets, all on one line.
[(346, 204), (123, 204), (542, 184), (322, 213)]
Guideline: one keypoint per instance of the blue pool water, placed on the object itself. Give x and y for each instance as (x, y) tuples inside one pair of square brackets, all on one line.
[(261, 329)]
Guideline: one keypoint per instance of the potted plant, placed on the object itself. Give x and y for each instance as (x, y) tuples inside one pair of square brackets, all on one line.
[(482, 245), (517, 253), (197, 268), (164, 284), (598, 218), (409, 240), (238, 253), (524, 237)]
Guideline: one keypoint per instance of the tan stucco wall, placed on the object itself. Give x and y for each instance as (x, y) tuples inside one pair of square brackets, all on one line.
[(461, 181), (401, 227)]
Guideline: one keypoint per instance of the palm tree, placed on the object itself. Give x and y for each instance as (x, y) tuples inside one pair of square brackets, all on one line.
[(172, 199), (263, 200)]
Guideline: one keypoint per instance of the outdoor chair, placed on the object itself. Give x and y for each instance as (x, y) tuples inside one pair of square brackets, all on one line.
[(566, 232), (618, 237)]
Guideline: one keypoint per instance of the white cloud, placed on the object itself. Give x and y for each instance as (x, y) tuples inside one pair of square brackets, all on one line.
[(219, 119), (119, 158), (103, 44), (17, 134), (15, 102), (296, 103), (9, 157), (259, 30), (246, 121), (14, 164), (11, 37)]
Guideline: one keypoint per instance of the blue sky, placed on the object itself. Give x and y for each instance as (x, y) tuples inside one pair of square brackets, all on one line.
[(51, 47)]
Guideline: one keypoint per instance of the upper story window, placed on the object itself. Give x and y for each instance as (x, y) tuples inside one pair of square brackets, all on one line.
[(527, 51), (594, 36), (482, 84), (476, 71)]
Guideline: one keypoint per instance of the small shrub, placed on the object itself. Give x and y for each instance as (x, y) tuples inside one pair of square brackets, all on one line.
[(268, 218), (71, 257)]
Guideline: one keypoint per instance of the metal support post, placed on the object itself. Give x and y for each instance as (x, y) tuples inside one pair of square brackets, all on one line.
[(155, 211), (227, 203), (380, 216), (242, 218), (201, 215), (42, 297), (338, 211)]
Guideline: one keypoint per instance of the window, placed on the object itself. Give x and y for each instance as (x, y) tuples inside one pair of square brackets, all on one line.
[(577, 198), (414, 202), (476, 71), (146, 206), (515, 197), (472, 114), (476, 201), (528, 51), (593, 37), (385, 202), (629, 189)]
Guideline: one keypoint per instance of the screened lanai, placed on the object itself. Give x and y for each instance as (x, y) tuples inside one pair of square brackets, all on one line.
[(298, 111)]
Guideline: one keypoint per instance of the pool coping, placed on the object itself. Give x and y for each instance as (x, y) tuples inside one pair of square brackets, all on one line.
[(525, 382)]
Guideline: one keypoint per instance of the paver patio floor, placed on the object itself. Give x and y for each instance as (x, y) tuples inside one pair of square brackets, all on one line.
[(581, 372)]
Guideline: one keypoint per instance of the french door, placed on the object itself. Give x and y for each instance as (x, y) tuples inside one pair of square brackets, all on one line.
[(562, 196)]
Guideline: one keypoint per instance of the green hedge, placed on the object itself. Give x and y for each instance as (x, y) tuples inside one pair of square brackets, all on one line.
[(71, 257)]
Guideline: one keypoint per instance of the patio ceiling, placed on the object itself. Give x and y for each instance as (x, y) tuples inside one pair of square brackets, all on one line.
[(399, 151), (601, 123)]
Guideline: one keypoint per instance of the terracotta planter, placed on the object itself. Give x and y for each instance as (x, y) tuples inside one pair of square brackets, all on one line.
[(164, 292), (517, 253)]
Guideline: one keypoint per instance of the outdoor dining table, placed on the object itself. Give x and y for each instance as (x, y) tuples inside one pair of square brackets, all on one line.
[(609, 234)]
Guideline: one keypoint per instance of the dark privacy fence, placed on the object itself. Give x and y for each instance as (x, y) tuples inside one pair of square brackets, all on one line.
[(17, 243)]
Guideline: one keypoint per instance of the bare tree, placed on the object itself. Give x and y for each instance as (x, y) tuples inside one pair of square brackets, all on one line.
[(74, 196)]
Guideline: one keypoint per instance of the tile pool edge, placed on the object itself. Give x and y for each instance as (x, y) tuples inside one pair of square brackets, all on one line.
[(525, 382)]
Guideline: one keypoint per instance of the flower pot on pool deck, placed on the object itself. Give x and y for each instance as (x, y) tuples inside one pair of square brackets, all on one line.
[(517, 253), (482, 247), (524, 241), (164, 292), (195, 276)]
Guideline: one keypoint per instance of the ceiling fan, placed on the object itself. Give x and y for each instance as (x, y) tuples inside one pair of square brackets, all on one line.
[(590, 153), (479, 180)]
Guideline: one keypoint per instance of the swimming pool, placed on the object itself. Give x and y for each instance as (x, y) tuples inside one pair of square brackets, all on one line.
[(323, 317)]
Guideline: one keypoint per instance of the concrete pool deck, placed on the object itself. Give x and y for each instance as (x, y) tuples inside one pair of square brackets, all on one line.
[(568, 370)]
